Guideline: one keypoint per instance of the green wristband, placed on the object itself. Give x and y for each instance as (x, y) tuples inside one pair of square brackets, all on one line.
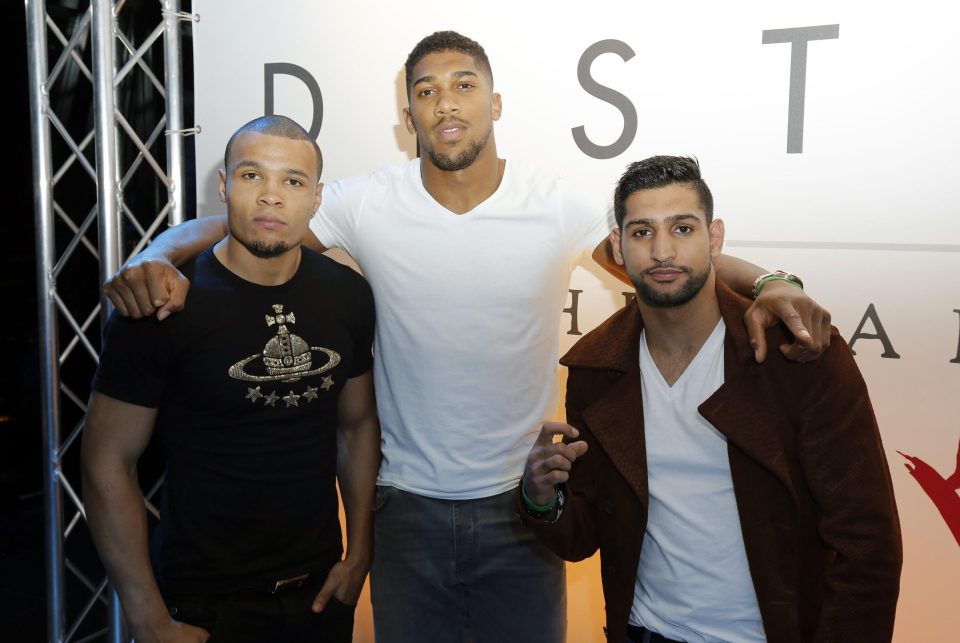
[(542, 509), (768, 278)]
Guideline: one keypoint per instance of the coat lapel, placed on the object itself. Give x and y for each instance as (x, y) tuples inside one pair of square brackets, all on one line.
[(748, 426), (616, 421), (616, 416)]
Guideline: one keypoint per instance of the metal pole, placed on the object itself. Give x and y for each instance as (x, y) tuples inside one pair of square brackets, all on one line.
[(108, 181), (102, 25), (116, 629), (48, 342), (172, 71), (104, 119)]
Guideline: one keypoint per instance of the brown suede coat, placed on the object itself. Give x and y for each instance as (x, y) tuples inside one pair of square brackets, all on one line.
[(809, 473)]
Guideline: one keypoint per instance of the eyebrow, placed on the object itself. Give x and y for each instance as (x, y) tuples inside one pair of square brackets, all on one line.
[(673, 218), (433, 79), (257, 165)]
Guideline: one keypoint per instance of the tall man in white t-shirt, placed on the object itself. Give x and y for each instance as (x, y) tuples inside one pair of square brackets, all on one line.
[(469, 258), (730, 501)]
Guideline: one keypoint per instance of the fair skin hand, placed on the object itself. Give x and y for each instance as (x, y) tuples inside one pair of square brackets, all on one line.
[(115, 435), (779, 301), (358, 461), (550, 461)]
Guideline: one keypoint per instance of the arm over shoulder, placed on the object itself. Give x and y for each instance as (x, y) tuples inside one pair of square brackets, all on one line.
[(334, 224), (588, 222)]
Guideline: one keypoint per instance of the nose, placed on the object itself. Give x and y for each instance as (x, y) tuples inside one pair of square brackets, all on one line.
[(270, 194), (446, 104), (663, 248)]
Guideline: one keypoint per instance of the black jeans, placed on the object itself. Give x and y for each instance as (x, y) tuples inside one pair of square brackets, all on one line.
[(284, 617), (643, 635)]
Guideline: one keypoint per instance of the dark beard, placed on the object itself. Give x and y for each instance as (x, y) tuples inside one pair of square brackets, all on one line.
[(463, 160), (262, 249), (652, 297)]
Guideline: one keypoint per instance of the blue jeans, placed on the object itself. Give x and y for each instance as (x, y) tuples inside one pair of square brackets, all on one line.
[(462, 570)]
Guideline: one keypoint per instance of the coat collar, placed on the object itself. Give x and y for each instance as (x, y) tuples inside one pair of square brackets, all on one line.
[(616, 416), (611, 345)]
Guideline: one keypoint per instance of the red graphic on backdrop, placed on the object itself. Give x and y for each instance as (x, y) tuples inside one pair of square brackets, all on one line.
[(943, 491)]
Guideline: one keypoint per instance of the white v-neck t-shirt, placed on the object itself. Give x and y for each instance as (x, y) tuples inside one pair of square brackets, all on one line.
[(468, 317), (693, 582)]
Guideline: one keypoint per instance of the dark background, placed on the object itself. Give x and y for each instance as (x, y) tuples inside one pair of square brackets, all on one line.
[(22, 593), (22, 552)]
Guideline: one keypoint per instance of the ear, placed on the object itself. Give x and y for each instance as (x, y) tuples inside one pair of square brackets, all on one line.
[(317, 197), (615, 244), (496, 104), (222, 186), (408, 119), (716, 237)]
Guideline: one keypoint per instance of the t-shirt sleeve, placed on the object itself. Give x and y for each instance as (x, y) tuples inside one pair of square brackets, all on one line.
[(335, 222), (365, 320), (135, 360), (588, 221)]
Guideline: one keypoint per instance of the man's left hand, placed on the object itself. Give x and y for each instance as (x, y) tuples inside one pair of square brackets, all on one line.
[(805, 319), (344, 583)]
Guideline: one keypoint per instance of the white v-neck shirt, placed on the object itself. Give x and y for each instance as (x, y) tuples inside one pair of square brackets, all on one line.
[(693, 582), (468, 317)]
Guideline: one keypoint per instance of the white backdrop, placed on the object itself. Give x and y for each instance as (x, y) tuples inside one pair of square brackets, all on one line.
[(868, 212)]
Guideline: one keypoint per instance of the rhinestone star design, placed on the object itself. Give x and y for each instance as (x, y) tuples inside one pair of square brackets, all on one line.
[(311, 394), (253, 394), (327, 383), (271, 400), (291, 399)]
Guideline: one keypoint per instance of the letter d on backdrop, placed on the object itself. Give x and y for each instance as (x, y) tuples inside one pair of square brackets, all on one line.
[(272, 69)]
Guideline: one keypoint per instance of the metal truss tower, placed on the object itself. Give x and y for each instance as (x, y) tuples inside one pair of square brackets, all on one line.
[(87, 224)]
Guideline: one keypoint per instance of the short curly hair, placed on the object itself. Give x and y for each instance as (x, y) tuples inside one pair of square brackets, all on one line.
[(447, 41)]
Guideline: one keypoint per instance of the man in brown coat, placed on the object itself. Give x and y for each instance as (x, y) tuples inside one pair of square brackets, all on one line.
[(730, 500)]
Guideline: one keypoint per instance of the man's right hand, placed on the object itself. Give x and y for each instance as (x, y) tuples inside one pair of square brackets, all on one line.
[(145, 285), (549, 462)]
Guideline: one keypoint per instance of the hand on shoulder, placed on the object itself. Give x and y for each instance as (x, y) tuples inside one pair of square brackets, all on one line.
[(147, 285), (807, 321)]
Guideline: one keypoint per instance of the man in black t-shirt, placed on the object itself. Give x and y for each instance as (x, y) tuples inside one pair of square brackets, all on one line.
[(262, 397)]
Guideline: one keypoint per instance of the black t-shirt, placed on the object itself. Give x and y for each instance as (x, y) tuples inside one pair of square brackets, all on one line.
[(246, 381)]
